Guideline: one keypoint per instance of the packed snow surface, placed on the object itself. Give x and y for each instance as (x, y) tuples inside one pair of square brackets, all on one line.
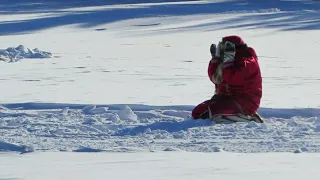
[(159, 166), (113, 128)]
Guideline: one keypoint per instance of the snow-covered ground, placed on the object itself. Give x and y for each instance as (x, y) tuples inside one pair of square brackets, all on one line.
[(60, 127), (120, 80), (159, 166), (158, 54)]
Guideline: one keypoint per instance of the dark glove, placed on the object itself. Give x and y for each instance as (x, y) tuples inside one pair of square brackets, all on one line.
[(213, 50)]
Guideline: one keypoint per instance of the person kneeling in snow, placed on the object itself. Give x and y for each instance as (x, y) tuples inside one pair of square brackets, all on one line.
[(235, 71)]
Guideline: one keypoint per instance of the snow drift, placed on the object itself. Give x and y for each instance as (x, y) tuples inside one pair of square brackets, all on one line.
[(14, 54)]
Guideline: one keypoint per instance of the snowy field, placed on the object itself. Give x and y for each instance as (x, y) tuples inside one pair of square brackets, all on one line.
[(160, 165), (119, 80)]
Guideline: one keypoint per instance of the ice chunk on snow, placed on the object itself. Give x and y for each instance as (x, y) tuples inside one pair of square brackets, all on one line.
[(127, 114), (14, 54)]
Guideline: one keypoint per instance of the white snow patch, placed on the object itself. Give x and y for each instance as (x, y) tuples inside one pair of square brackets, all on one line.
[(126, 113), (182, 114), (253, 125), (14, 54)]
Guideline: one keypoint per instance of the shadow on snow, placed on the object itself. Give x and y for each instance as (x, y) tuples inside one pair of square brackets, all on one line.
[(294, 15), (265, 112)]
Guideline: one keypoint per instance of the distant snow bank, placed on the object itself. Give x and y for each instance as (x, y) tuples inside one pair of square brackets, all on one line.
[(14, 54)]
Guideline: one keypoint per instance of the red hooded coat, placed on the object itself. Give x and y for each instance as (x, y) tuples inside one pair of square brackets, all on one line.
[(241, 83)]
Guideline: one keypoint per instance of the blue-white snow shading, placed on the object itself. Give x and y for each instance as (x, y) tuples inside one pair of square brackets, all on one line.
[(4, 146), (14, 54), (87, 149), (170, 126), (306, 20)]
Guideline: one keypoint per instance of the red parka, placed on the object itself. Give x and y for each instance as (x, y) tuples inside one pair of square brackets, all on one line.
[(241, 78)]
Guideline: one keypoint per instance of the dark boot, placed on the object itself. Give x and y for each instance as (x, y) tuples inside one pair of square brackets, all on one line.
[(258, 118)]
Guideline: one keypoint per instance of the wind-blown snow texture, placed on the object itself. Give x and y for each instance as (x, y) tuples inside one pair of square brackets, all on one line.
[(112, 128), (144, 65)]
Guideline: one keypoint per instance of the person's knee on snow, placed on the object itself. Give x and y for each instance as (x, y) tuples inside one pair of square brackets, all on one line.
[(201, 111), (235, 72)]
